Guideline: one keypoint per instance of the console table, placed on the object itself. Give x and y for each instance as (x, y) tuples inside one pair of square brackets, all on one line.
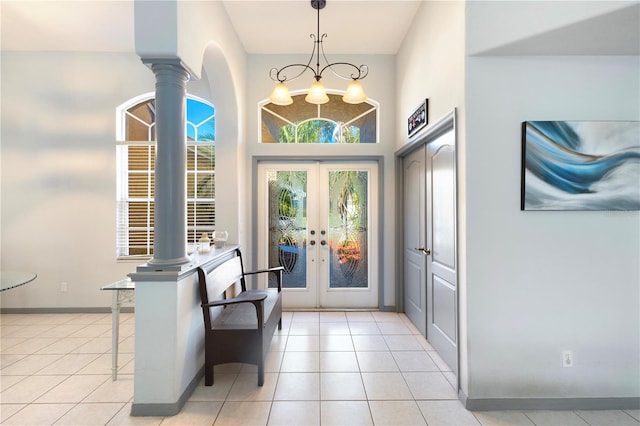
[(123, 292)]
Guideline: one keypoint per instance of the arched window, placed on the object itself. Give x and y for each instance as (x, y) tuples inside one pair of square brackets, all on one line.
[(136, 173), (333, 122)]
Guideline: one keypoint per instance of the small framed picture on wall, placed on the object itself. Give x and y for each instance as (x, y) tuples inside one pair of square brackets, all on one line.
[(418, 119)]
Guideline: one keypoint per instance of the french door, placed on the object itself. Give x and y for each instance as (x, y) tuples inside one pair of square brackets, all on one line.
[(319, 221)]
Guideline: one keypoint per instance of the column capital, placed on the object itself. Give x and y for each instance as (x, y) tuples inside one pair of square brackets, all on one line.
[(167, 63)]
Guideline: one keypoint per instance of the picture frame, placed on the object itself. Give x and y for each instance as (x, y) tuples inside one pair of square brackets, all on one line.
[(418, 119), (580, 165)]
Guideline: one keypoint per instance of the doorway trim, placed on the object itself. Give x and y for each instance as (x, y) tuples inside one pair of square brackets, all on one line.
[(420, 140), (378, 159)]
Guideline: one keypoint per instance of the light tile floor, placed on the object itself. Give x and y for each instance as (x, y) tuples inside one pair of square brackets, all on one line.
[(329, 368)]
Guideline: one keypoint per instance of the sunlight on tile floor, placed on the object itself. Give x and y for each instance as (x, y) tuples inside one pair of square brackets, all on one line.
[(324, 368)]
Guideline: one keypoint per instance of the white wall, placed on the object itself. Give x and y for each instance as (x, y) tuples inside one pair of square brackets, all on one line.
[(201, 35), (539, 283), (577, 26), (542, 282), (58, 157), (532, 283), (208, 45), (430, 65), (59, 172)]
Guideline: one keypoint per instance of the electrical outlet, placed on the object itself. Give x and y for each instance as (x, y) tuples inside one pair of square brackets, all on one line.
[(567, 358), (64, 287)]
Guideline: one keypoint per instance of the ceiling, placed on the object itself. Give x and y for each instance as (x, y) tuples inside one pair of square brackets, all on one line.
[(352, 26), (263, 26), (370, 27)]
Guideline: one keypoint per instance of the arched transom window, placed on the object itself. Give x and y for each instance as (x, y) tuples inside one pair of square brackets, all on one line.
[(136, 147), (333, 122)]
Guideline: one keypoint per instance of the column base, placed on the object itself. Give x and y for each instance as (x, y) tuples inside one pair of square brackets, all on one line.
[(166, 265)]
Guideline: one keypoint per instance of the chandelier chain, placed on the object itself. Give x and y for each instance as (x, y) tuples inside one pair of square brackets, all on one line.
[(357, 73)]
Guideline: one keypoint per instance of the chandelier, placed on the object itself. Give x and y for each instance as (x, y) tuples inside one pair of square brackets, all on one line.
[(317, 93)]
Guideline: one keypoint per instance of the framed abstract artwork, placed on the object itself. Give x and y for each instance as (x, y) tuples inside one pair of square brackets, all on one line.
[(580, 165)]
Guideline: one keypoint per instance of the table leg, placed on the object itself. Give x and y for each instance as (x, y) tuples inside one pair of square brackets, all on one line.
[(115, 326)]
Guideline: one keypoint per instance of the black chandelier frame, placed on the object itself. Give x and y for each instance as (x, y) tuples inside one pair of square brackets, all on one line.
[(359, 72)]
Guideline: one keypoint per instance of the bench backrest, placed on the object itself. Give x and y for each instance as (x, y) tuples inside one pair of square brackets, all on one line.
[(213, 284)]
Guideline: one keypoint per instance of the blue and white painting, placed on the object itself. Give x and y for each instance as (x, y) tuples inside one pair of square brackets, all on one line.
[(580, 165)]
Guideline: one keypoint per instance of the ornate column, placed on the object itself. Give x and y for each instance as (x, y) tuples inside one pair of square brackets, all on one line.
[(170, 232)]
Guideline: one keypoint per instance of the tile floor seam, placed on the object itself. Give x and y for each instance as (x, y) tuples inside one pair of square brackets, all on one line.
[(582, 418), (43, 403)]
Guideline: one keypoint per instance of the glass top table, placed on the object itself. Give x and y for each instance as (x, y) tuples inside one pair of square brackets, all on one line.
[(123, 292), (12, 279)]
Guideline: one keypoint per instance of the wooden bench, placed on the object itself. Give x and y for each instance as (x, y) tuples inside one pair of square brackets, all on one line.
[(240, 328)]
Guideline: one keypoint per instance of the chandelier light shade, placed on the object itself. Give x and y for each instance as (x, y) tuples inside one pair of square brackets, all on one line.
[(280, 95), (317, 93), (355, 93)]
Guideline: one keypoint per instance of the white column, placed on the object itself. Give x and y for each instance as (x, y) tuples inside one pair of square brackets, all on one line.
[(170, 232)]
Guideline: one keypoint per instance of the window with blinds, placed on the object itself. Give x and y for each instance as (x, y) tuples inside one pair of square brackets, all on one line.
[(136, 164)]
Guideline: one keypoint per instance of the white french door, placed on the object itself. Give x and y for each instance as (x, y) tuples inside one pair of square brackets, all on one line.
[(319, 221)]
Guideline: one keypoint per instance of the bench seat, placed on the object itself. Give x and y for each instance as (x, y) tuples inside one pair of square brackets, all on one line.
[(243, 315)]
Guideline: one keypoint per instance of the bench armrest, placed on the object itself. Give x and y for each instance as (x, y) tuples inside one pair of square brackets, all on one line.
[(256, 299), (239, 299), (277, 270)]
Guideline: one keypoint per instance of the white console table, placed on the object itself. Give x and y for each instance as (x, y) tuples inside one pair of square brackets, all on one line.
[(123, 292)]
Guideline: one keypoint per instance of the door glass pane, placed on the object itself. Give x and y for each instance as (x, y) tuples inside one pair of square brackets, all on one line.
[(288, 226), (348, 207)]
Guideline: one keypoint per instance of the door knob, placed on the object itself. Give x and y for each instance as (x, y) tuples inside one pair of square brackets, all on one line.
[(312, 242), (323, 242)]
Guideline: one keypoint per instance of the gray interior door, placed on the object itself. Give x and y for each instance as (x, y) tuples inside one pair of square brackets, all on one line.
[(415, 267), (442, 262)]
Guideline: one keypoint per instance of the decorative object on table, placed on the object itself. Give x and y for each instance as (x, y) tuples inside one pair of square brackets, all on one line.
[(220, 238), (317, 93), (419, 118), (204, 245), (580, 165)]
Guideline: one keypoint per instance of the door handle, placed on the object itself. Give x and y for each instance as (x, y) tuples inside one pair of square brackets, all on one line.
[(312, 242), (426, 252), (323, 242)]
